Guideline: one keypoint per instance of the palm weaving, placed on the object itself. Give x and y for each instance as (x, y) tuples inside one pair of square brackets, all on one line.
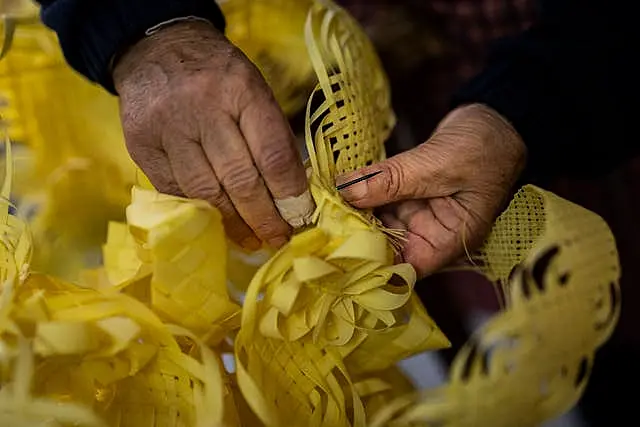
[(314, 338)]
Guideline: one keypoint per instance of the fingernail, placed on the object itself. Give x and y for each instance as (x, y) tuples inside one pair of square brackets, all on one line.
[(348, 182), (342, 180), (356, 191), (251, 244)]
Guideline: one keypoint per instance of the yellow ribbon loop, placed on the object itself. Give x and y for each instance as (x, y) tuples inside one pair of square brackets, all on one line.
[(334, 296), (325, 306)]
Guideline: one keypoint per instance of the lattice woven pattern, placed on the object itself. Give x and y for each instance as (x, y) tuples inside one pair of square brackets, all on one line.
[(104, 347), (531, 362), (182, 247), (349, 115), (107, 352), (327, 305)]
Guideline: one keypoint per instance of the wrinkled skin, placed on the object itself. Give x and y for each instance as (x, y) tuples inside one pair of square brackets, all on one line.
[(201, 122), (446, 192)]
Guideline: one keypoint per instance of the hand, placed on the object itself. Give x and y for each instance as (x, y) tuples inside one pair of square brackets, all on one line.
[(201, 122), (448, 190)]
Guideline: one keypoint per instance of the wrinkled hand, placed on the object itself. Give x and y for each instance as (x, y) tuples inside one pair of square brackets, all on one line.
[(201, 122), (447, 192)]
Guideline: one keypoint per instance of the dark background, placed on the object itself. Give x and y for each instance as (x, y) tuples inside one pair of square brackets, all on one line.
[(429, 48)]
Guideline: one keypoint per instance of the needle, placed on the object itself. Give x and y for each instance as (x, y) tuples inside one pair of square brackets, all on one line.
[(357, 180)]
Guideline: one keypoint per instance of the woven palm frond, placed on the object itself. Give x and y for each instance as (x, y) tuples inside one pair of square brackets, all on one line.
[(323, 322)]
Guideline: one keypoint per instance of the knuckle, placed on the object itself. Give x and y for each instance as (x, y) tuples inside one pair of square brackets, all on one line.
[(165, 185), (241, 181), (241, 70), (393, 179), (205, 188), (246, 84), (143, 154), (142, 129), (237, 66), (244, 94), (237, 76), (279, 160)]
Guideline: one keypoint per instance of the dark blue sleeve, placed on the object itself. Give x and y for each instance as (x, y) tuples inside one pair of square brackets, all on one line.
[(569, 86), (91, 32)]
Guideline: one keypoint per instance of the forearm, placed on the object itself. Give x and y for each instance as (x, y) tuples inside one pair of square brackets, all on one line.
[(567, 86), (93, 32)]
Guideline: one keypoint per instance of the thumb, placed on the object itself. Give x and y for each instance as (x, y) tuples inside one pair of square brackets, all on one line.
[(409, 175)]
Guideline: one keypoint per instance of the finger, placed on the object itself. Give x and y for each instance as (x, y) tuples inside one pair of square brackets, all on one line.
[(232, 162), (197, 180), (155, 164), (389, 220), (274, 149), (418, 217), (421, 255), (435, 233), (409, 175)]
